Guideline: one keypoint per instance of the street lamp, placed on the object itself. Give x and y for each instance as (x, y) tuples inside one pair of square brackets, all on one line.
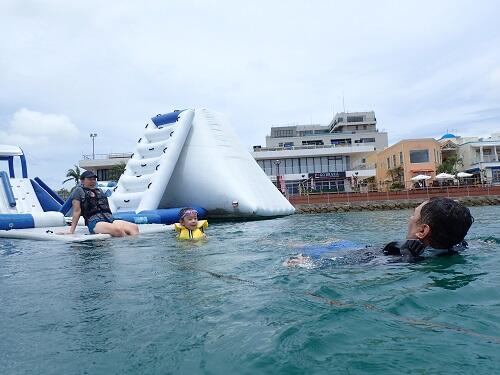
[(277, 163), (93, 135)]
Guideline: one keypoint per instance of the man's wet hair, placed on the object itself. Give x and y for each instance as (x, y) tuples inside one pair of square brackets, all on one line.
[(449, 222)]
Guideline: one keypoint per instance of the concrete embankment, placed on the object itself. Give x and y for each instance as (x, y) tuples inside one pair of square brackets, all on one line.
[(388, 205)]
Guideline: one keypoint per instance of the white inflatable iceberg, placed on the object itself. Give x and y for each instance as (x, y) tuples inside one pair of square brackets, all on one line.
[(193, 158)]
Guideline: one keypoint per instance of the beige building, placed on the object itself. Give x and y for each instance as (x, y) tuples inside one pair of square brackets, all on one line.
[(414, 156)]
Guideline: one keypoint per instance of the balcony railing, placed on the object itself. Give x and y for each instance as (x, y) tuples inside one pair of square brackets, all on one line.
[(485, 159), (107, 156), (312, 147), (362, 167)]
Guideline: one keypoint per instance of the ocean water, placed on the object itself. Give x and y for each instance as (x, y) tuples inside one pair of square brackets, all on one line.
[(153, 305)]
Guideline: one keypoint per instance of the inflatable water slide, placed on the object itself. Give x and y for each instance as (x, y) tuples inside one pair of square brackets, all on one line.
[(29, 209), (193, 158), (24, 202)]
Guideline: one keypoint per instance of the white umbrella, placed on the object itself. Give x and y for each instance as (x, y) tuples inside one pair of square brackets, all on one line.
[(420, 177), (444, 176), (464, 174)]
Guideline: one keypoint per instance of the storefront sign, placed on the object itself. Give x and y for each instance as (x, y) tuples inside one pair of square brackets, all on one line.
[(327, 175)]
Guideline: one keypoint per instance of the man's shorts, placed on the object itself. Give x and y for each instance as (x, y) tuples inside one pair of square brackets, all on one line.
[(92, 223)]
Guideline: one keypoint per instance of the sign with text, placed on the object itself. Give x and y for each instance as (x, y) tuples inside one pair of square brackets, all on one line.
[(327, 175)]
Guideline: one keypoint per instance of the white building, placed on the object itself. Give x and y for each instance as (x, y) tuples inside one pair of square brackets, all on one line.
[(102, 164), (479, 156), (324, 157)]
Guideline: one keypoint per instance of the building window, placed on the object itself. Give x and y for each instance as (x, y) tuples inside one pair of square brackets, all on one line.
[(495, 175), (296, 166), (342, 141), (394, 160), (315, 142), (388, 163), (401, 157), (288, 166), (288, 144), (355, 118), (310, 165), (283, 133), (419, 156), (365, 140), (317, 165)]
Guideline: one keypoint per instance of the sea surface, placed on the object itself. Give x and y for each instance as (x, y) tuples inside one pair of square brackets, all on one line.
[(153, 305)]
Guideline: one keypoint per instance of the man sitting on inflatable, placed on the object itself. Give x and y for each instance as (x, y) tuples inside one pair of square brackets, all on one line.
[(90, 202)]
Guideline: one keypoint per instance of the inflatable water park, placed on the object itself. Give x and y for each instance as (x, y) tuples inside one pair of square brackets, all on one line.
[(186, 158)]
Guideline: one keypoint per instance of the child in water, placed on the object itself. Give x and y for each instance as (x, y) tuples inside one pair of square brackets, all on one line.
[(188, 227)]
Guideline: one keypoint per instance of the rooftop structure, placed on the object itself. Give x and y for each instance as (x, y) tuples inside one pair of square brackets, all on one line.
[(352, 122)]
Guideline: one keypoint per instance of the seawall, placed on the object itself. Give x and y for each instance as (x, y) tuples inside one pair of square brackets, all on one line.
[(388, 205)]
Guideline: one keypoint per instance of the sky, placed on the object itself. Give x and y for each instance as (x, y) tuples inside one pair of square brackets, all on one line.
[(71, 68)]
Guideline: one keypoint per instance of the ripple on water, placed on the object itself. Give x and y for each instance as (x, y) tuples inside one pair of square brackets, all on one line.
[(227, 305)]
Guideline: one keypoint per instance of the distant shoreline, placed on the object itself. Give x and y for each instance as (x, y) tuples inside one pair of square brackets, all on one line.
[(491, 200)]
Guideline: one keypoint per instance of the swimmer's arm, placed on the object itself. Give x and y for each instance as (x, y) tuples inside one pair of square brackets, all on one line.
[(77, 211)]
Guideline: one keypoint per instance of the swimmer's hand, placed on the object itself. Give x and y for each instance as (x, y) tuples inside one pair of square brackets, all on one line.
[(296, 261)]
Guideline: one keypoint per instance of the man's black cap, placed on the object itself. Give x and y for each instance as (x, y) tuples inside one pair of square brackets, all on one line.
[(87, 174)]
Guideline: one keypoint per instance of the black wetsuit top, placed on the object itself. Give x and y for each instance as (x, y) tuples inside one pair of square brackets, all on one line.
[(397, 251)]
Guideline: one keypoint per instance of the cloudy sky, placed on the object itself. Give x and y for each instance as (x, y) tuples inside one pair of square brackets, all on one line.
[(68, 68)]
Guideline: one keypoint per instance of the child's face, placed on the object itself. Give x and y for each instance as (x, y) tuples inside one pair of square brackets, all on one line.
[(190, 221)]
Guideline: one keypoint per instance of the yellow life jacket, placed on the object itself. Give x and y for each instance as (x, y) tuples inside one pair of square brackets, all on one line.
[(187, 234)]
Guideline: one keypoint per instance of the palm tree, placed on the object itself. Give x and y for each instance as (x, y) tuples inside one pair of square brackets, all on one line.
[(73, 174), (397, 177), (450, 165), (117, 170)]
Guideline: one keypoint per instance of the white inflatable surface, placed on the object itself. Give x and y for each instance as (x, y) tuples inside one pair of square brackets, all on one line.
[(215, 172), (27, 203), (26, 200), (81, 233), (142, 185), (201, 164)]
